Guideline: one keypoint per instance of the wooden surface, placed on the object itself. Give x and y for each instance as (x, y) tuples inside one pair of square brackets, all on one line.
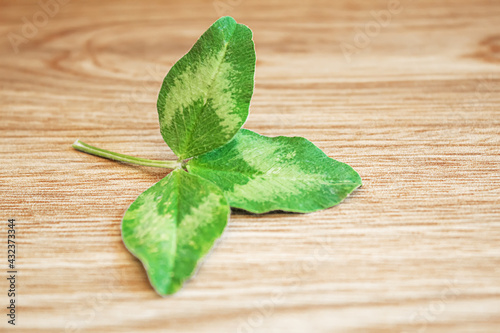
[(416, 111)]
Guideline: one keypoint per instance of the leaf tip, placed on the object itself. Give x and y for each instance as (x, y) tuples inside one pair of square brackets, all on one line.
[(167, 289)]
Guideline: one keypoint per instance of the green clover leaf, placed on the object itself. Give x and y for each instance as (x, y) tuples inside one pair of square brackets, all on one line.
[(172, 225), (260, 174), (205, 97), (202, 104)]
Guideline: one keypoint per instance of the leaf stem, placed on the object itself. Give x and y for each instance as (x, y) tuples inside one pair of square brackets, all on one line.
[(86, 148)]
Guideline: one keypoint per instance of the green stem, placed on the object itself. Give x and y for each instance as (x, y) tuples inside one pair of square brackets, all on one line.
[(82, 146)]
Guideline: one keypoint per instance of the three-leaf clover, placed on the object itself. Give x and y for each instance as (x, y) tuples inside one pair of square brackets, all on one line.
[(202, 105)]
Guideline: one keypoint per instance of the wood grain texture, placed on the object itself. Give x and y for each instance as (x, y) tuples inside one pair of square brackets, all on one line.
[(416, 111)]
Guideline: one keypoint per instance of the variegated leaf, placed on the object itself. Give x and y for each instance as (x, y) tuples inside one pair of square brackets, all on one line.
[(261, 174), (172, 225), (204, 99)]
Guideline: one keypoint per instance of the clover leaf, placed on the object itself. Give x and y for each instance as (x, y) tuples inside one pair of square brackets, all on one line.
[(172, 225), (260, 174), (205, 97), (202, 104)]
